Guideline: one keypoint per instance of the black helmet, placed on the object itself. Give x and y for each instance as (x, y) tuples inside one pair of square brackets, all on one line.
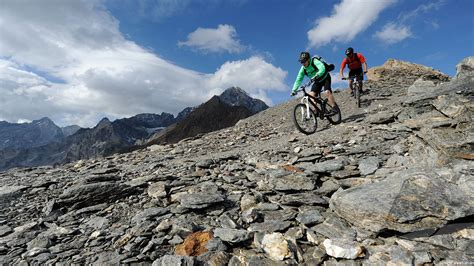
[(349, 51), (304, 56)]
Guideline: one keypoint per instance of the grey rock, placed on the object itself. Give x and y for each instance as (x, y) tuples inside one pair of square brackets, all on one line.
[(335, 228), (232, 235), (148, 214), (295, 233), (323, 167), (5, 230), (369, 165), (205, 163), (219, 258), (328, 187), (171, 260), (175, 240), (465, 68), (9, 192), (250, 215), (270, 226), (41, 241), (421, 86), (299, 199), (384, 117), (292, 182), (157, 190), (227, 222), (405, 201), (215, 245), (280, 215), (265, 206), (34, 252), (310, 217), (199, 200), (90, 194), (247, 201)]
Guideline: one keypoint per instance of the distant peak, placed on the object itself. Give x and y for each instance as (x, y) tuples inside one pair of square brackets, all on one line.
[(234, 90), (43, 121), (235, 96), (103, 121)]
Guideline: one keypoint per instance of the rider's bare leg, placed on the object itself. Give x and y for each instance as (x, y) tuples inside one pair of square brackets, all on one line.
[(330, 97), (350, 85), (312, 93)]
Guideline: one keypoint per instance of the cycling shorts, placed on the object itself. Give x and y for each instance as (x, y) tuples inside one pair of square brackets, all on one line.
[(326, 83), (357, 72)]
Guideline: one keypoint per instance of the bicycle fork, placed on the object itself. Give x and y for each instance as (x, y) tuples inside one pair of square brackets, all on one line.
[(305, 101)]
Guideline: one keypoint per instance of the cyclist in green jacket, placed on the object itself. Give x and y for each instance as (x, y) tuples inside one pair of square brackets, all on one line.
[(318, 74)]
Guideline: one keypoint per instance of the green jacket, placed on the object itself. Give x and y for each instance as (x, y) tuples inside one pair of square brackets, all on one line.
[(319, 74)]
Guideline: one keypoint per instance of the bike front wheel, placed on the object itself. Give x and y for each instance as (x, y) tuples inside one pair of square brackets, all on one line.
[(305, 119), (335, 116)]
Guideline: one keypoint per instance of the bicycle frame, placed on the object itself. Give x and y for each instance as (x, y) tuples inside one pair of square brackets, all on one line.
[(314, 101), (356, 79)]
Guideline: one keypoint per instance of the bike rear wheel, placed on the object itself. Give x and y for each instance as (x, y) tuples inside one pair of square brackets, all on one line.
[(335, 117), (305, 122), (357, 93)]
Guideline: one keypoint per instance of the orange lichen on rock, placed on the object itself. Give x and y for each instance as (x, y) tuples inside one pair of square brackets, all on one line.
[(194, 244)]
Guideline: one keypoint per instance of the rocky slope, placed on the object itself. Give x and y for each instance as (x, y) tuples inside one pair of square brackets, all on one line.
[(392, 183)]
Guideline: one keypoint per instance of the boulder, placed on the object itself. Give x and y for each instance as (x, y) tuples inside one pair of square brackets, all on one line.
[(465, 68), (343, 248), (276, 246), (405, 201)]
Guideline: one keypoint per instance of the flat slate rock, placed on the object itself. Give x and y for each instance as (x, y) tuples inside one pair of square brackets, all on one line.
[(404, 201), (199, 200)]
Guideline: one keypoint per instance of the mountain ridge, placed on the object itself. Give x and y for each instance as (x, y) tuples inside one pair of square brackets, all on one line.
[(127, 134)]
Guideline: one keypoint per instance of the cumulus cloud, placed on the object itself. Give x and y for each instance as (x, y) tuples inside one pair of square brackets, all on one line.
[(102, 73), (349, 18), (392, 33), (220, 39), (397, 31), (254, 74)]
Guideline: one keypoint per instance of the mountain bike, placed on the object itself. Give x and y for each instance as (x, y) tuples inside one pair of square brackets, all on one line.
[(356, 87), (305, 114)]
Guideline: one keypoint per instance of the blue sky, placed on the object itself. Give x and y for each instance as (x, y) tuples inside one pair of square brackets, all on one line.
[(78, 61)]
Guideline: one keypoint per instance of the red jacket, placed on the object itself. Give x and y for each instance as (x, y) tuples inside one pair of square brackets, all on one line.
[(353, 63)]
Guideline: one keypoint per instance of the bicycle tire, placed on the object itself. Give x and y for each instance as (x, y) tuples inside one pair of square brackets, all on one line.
[(299, 119), (335, 118), (357, 94)]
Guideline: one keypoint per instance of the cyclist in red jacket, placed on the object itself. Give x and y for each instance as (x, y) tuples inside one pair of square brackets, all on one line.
[(354, 62)]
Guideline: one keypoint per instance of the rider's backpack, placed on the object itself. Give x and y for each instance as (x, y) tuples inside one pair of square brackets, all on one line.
[(329, 67)]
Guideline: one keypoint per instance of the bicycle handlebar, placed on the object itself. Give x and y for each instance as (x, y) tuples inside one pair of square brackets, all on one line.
[(303, 87)]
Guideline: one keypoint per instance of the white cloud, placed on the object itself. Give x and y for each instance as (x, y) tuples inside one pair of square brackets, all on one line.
[(104, 74), (220, 39), (393, 33), (424, 8), (253, 74), (349, 18), (397, 31)]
